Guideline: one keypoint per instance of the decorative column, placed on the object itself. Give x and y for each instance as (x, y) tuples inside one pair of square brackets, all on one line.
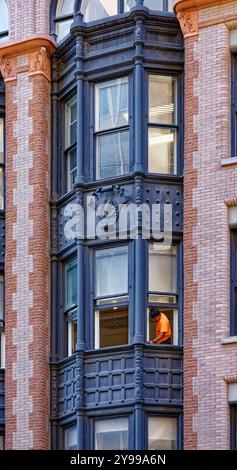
[(78, 30), (25, 67)]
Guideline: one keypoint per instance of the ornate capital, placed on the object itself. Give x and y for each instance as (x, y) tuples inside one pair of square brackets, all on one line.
[(7, 69), (39, 63), (188, 23)]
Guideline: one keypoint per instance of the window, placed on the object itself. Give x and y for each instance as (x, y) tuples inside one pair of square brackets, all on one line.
[(162, 128), (111, 297), (163, 287), (158, 5), (64, 18), (162, 433), (71, 143), (70, 438), (93, 10), (112, 128), (71, 305), (2, 145), (2, 324), (1, 441), (233, 278), (233, 424), (4, 20), (111, 434)]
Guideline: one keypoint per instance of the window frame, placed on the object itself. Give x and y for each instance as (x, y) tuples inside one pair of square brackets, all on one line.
[(177, 306), (69, 313), (68, 147), (177, 128), (171, 414), (107, 305), (5, 33), (95, 133), (233, 282), (233, 426), (125, 415), (61, 19)]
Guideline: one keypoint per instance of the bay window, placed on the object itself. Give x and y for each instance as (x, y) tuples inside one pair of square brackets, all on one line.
[(162, 127), (162, 286), (162, 433), (71, 143), (111, 297), (111, 434), (70, 438), (71, 305), (112, 128)]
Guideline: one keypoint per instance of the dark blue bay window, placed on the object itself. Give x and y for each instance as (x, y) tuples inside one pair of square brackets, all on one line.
[(117, 136)]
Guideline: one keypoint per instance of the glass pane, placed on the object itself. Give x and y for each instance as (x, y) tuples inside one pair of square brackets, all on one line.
[(113, 327), (112, 155), (71, 123), (71, 284), (154, 4), (72, 337), (95, 9), (171, 5), (111, 272), (1, 140), (70, 438), (1, 442), (113, 300), (1, 188), (63, 29), (128, 4), (111, 434), (162, 299), (1, 297), (162, 433), (71, 168), (167, 323), (112, 104), (162, 268), (2, 350), (162, 99), (162, 151), (65, 7), (4, 16)]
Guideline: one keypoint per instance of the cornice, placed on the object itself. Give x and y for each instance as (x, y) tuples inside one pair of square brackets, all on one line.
[(38, 48), (183, 5)]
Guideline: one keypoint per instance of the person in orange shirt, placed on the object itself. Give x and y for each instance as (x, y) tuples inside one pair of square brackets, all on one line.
[(162, 327)]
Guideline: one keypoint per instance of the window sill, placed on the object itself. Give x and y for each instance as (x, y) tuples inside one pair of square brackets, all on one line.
[(229, 340), (229, 161)]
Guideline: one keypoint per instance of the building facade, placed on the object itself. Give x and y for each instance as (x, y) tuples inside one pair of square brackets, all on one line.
[(106, 105)]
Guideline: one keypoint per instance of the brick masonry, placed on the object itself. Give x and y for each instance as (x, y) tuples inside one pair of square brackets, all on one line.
[(209, 188)]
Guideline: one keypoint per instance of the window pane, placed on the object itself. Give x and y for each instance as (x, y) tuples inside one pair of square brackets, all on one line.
[(71, 168), (71, 284), (1, 188), (1, 442), (72, 337), (154, 4), (63, 29), (162, 268), (70, 438), (111, 434), (65, 7), (113, 327), (95, 9), (171, 5), (162, 151), (162, 99), (112, 155), (71, 123), (1, 297), (111, 272), (2, 350), (4, 16), (112, 104), (1, 140), (162, 433), (172, 317)]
